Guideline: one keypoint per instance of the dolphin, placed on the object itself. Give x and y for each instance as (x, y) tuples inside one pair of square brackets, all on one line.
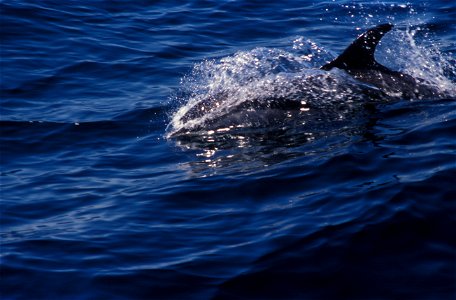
[(372, 81)]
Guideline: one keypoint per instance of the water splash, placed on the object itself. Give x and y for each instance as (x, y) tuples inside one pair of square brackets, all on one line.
[(413, 52), (255, 79)]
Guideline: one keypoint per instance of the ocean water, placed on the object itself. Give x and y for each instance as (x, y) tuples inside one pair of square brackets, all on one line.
[(109, 192)]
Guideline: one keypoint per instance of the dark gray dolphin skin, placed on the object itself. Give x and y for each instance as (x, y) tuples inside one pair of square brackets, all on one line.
[(358, 60)]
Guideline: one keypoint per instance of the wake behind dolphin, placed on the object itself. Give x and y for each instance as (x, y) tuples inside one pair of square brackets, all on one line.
[(263, 98)]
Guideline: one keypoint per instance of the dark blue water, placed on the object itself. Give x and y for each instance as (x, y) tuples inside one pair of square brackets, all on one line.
[(348, 199)]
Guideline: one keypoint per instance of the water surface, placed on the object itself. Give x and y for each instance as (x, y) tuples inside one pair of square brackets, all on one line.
[(348, 199)]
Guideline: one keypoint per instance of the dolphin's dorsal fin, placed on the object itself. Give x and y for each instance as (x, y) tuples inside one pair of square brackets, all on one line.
[(360, 54)]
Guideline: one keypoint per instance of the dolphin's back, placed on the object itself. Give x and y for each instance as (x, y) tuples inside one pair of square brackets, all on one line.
[(358, 60)]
